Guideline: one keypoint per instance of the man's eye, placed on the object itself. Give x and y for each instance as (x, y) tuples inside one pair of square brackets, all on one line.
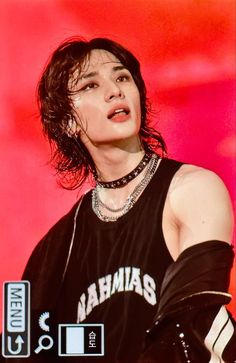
[(123, 78), (89, 86)]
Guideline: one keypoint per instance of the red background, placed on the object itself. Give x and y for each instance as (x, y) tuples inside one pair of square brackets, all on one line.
[(187, 52)]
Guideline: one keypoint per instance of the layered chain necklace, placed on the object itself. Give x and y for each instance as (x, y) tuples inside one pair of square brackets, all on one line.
[(97, 203)]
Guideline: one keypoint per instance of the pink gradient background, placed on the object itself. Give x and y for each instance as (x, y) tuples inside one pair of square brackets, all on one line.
[(187, 52)]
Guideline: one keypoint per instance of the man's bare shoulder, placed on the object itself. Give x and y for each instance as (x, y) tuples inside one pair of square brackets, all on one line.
[(201, 205), (198, 181), (195, 175)]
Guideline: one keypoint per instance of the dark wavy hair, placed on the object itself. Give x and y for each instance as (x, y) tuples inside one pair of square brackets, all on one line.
[(70, 157)]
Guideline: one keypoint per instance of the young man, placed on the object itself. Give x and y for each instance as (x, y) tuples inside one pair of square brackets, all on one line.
[(147, 251)]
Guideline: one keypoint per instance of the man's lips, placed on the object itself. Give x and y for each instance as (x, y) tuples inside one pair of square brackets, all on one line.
[(118, 111), (120, 117)]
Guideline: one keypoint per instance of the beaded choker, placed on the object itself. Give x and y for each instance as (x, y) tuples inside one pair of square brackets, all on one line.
[(118, 183)]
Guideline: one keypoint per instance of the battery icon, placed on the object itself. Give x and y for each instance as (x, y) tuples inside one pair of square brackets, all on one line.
[(16, 319)]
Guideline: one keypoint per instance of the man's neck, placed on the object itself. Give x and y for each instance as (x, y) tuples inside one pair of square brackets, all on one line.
[(114, 161)]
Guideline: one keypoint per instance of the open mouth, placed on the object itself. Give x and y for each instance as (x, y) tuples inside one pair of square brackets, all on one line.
[(124, 111)]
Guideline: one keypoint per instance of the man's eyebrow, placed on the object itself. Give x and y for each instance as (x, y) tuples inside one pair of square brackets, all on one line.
[(88, 75), (92, 74), (118, 68)]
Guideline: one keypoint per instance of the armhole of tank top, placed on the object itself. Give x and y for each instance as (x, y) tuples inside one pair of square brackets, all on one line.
[(170, 177)]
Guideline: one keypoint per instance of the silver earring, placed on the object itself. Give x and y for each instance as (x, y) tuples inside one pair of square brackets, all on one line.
[(71, 128), (77, 101)]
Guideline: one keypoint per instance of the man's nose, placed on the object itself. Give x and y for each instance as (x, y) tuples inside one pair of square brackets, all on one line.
[(112, 91)]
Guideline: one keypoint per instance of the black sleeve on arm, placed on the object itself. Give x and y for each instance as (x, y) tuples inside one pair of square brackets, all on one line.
[(192, 323)]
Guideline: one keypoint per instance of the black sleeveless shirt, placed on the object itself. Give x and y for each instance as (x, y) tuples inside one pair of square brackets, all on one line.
[(116, 270)]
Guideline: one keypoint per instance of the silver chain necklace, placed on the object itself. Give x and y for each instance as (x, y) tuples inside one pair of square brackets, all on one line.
[(131, 200)]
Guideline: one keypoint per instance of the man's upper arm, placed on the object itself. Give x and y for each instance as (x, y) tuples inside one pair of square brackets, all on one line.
[(201, 206)]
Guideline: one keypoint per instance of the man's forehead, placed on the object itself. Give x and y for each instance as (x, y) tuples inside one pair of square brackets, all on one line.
[(99, 57)]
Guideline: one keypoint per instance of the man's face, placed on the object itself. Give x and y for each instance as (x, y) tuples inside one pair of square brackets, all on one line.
[(106, 100)]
